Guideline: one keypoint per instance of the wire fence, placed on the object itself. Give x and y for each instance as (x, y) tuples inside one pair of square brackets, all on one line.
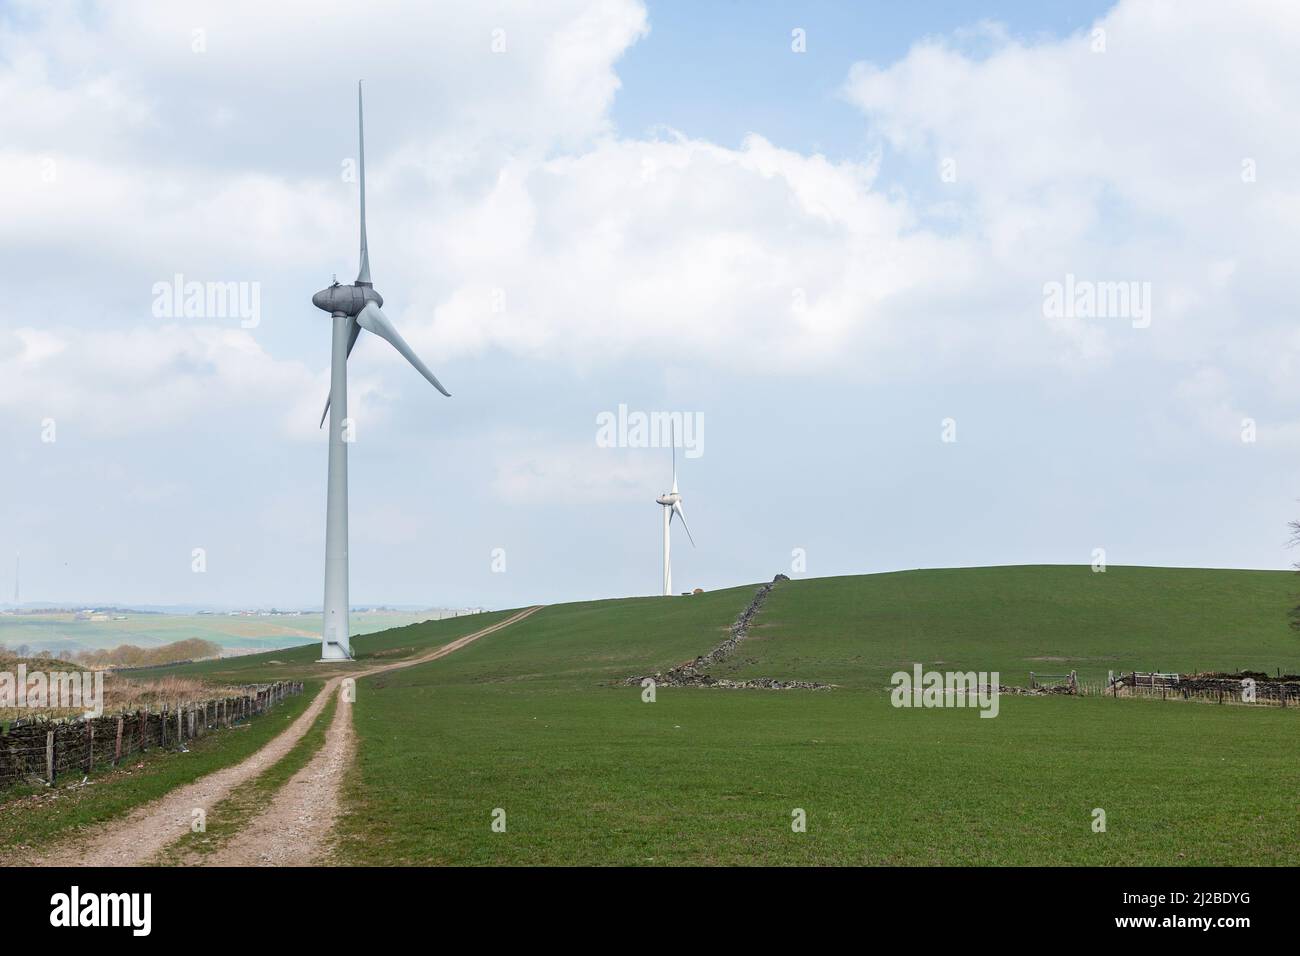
[(39, 750), (1214, 690)]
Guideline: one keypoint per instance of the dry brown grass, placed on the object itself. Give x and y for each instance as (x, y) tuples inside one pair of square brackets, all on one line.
[(121, 693)]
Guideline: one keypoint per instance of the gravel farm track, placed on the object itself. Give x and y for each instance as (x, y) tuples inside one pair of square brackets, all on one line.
[(291, 830)]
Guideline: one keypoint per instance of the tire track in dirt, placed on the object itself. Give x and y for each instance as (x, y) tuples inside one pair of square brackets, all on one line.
[(308, 804), (295, 825)]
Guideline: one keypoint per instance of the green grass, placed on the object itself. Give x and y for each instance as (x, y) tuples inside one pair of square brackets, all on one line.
[(530, 720), (229, 816), (33, 818), (857, 631)]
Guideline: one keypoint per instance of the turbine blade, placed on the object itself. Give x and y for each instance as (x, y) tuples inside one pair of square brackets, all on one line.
[(364, 274), (677, 510), (372, 319), (353, 332)]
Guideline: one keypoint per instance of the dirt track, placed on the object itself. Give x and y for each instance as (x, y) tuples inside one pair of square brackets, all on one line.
[(291, 831)]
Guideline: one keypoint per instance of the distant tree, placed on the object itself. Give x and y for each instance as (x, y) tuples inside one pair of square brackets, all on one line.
[(129, 655)]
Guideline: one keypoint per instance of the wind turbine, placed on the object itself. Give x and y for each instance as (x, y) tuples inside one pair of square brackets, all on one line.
[(352, 308), (672, 502)]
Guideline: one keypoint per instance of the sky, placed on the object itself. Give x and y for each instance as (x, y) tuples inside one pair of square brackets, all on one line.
[(933, 285)]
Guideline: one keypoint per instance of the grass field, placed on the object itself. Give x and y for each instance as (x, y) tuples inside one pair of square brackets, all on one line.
[(527, 721), (533, 721), (856, 631)]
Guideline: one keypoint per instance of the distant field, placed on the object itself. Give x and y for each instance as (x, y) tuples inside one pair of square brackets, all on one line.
[(62, 633)]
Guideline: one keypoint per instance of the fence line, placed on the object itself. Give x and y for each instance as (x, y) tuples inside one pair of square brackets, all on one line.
[(40, 749), (1211, 691)]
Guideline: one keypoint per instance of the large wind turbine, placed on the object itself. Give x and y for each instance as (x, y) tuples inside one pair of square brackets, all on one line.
[(352, 308), (672, 502)]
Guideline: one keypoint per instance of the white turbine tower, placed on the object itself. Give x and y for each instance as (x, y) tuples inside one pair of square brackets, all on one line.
[(352, 308), (672, 503)]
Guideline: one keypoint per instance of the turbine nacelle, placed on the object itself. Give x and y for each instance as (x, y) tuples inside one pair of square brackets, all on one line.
[(669, 499), (346, 299)]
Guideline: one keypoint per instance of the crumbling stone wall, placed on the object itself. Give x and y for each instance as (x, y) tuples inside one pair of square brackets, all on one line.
[(693, 673)]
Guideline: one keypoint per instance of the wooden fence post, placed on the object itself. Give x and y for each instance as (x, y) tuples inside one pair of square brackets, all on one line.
[(117, 748), (90, 745), (49, 756)]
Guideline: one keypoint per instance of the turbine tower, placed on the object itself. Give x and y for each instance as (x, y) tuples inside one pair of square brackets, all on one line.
[(352, 308), (672, 504)]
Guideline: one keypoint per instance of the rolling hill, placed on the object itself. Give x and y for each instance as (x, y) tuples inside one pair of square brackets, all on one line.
[(536, 722)]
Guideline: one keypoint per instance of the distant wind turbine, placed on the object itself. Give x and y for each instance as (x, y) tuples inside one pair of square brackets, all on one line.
[(352, 308), (672, 503)]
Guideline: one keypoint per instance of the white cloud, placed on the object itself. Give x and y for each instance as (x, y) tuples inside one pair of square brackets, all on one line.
[(676, 249), (1118, 165), (122, 381), (574, 474)]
